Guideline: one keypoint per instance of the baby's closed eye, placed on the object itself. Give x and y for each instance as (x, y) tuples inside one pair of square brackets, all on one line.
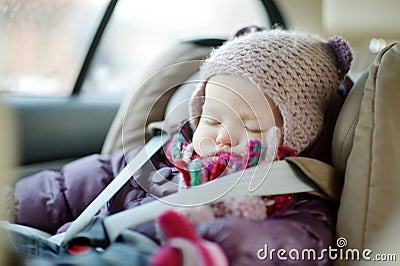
[(253, 126), (211, 121)]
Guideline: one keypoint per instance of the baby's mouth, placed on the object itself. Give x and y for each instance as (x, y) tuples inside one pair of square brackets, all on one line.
[(222, 149), (229, 151)]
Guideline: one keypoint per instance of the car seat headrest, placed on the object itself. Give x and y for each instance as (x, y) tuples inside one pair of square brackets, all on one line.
[(343, 135), (177, 108), (144, 103)]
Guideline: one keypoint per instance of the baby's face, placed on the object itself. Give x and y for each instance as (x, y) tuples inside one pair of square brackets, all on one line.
[(234, 112)]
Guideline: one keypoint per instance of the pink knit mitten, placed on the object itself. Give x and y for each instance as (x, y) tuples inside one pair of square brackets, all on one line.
[(182, 246)]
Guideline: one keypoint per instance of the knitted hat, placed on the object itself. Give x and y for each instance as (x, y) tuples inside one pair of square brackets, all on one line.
[(297, 71)]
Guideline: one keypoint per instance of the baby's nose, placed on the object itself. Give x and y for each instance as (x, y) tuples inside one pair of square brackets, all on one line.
[(224, 138)]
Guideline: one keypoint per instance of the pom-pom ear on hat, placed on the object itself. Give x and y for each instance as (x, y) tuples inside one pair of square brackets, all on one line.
[(342, 53)]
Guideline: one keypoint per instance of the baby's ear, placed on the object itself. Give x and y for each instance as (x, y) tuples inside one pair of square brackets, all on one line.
[(343, 54)]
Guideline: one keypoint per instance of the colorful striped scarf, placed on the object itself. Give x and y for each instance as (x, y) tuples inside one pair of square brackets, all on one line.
[(197, 170)]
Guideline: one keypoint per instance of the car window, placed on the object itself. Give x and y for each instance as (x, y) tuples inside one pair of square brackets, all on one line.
[(140, 31), (43, 43)]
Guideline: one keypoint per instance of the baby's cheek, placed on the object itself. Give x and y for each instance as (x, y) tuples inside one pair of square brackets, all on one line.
[(203, 143)]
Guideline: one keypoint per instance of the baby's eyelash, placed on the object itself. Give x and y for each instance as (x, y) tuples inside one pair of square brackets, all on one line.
[(253, 130), (253, 127), (211, 121)]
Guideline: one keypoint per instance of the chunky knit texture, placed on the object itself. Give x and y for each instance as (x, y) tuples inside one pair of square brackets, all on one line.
[(298, 71)]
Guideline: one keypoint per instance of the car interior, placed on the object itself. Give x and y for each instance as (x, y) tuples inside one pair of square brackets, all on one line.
[(47, 132)]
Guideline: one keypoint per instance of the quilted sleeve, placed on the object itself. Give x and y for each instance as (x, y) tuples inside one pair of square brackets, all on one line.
[(49, 199), (310, 225)]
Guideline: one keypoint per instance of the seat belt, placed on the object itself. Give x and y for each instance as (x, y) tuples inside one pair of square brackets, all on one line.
[(280, 177), (135, 164)]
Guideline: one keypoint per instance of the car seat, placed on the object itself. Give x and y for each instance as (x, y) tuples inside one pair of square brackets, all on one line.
[(364, 143)]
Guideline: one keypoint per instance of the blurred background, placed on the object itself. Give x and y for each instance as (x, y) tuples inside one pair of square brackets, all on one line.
[(43, 43), (8, 159)]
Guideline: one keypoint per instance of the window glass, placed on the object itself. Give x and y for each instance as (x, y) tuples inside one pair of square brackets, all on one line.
[(44, 42), (140, 31)]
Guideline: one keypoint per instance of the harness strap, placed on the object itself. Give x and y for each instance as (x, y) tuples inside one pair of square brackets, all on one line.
[(135, 164), (277, 178)]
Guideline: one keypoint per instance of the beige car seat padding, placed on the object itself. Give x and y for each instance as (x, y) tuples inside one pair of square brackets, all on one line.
[(370, 192), (343, 135)]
